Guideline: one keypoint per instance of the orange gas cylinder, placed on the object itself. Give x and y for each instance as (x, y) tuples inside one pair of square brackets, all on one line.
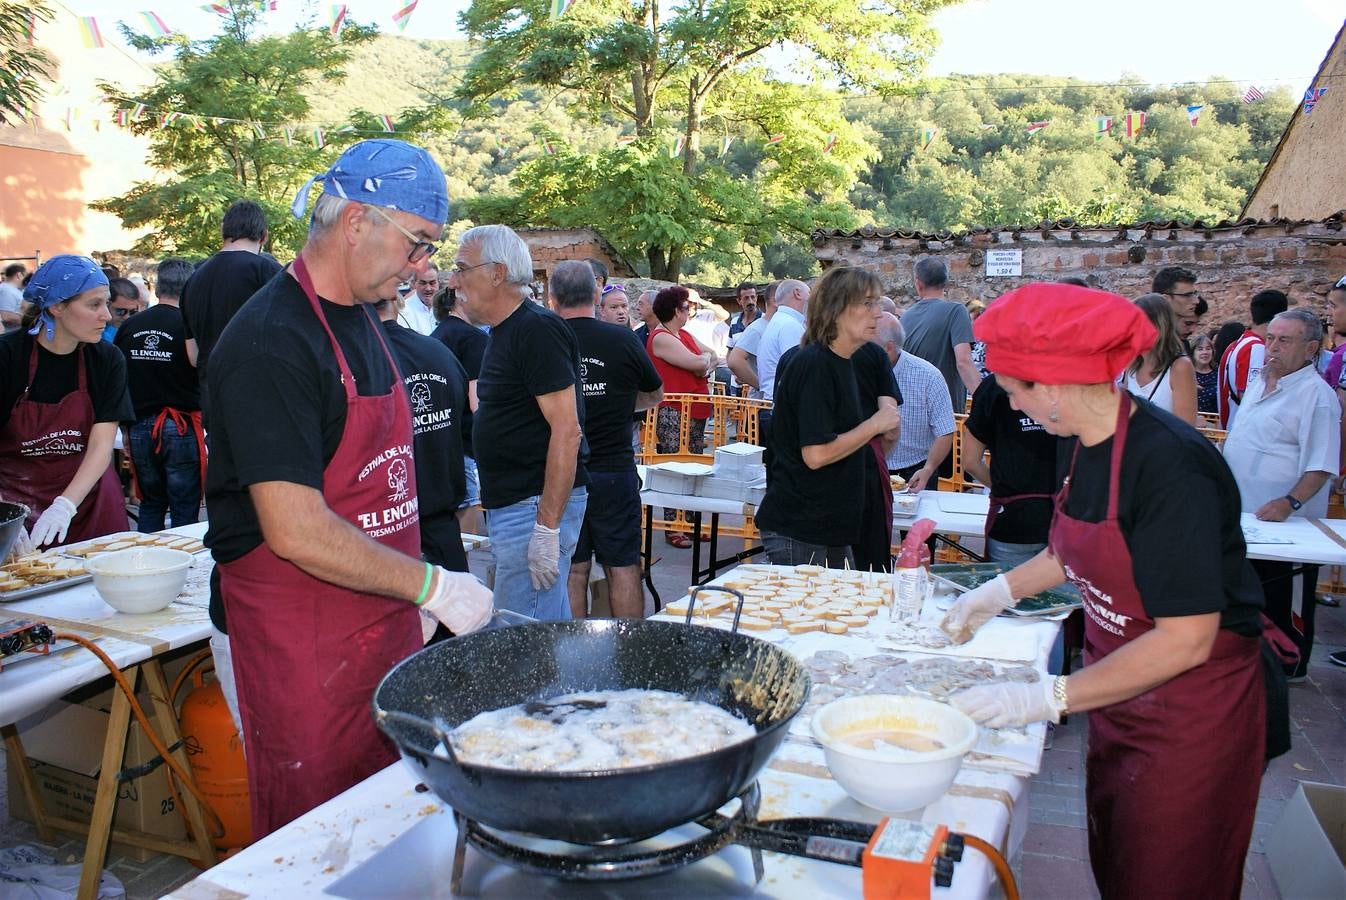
[(215, 750)]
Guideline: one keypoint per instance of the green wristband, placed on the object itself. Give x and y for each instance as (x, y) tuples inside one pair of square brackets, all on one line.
[(425, 587)]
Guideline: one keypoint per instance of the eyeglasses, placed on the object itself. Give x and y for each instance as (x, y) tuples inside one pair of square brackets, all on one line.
[(609, 288), (685, 307), (1189, 295), (419, 249), (1341, 283), (460, 269), (870, 304), (120, 312)]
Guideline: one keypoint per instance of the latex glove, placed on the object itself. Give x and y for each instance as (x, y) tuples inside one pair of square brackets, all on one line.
[(1009, 704), (544, 556), (52, 525), (23, 545), (975, 608), (461, 602)]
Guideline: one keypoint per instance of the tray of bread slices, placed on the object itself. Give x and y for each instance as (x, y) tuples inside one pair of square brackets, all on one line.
[(792, 599), (129, 540), (39, 573)]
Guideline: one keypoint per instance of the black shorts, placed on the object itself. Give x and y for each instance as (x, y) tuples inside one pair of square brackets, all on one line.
[(611, 529)]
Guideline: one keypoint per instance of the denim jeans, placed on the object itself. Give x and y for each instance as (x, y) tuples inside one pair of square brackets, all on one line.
[(170, 480), (786, 551), (511, 528)]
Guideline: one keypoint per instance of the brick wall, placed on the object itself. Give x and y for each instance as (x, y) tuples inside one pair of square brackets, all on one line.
[(549, 246), (1232, 263)]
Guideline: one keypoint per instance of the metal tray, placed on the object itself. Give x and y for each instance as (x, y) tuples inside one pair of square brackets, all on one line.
[(37, 589), (967, 577)]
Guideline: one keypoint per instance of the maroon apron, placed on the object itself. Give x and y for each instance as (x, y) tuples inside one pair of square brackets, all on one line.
[(41, 449), (1173, 773), (308, 654)]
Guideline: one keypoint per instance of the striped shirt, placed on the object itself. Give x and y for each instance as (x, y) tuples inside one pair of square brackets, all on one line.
[(927, 411)]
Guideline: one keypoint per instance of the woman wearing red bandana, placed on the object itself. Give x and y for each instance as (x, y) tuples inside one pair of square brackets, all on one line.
[(1146, 526)]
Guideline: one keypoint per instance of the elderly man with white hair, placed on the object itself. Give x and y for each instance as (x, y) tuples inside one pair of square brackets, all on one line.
[(530, 449), (1283, 450)]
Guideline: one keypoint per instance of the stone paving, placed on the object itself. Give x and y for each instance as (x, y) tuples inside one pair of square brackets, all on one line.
[(1054, 860)]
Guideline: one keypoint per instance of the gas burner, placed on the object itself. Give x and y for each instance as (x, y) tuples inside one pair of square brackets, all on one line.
[(611, 861), (828, 840)]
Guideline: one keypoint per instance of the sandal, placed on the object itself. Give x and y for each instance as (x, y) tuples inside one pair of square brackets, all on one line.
[(679, 540)]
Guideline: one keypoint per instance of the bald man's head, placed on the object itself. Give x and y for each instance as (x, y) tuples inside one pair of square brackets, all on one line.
[(792, 293)]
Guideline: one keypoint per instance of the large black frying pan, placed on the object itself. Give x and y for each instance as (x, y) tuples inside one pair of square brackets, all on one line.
[(448, 683)]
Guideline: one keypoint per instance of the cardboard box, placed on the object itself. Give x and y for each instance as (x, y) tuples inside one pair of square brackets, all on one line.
[(65, 753), (1306, 851)]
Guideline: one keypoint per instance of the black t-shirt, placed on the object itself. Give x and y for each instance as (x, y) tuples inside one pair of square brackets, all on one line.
[(1023, 461), (467, 343), (58, 375), (874, 375), (437, 387), (278, 405), (817, 398), (216, 292), (529, 354), (1179, 511), (157, 367), (614, 368)]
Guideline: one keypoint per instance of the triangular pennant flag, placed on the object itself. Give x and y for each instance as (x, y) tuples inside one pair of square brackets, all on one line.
[(90, 33), (830, 144), (137, 112), (402, 17), (1252, 94), (725, 142), (289, 136), (1311, 98), (1104, 125), (155, 24), (547, 146), (387, 123), (1194, 112), (122, 117), (622, 139), (319, 138), (343, 129), (775, 139), (336, 19), (675, 150), (560, 7), (928, 135), (219, 9), (198, 123), (1134, 123), (1035, 127)]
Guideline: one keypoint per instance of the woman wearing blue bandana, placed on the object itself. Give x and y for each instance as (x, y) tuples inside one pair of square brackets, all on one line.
[(62, 394)]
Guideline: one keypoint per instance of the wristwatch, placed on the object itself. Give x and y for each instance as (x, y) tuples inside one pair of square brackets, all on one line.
[(1294, 504)]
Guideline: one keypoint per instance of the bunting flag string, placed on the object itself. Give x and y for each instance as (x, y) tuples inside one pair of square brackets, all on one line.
[(90, 33), (1194, 111), (155, 24), (928, 135), (675, 149), (1134, 123), (774, 139), (1035, 127), (387, 122), (622, 140), (560, 7), (830, 144), (336, 19), (1311, 98), (219, 9), (30, 28), (725, 143), (1103, 126), (548, 147), (402, 17), (319, 138), (1252, 94)]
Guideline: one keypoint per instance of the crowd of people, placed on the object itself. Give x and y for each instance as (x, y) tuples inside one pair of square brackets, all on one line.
[(345, 415)]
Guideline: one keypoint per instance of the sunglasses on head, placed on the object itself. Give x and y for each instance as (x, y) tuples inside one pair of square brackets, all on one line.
[(609, 288)]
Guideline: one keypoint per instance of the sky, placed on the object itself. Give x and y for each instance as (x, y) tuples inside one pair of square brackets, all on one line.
[(1159, 41)]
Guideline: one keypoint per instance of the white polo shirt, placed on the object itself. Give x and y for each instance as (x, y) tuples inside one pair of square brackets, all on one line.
[(1278, 437), (784, 331), (416, 315)]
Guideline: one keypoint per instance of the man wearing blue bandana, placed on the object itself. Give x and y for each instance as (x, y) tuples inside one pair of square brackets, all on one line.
[(311, 489), (62, 394)]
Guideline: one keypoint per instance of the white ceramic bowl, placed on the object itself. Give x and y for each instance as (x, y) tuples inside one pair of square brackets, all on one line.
[(141, 579), (893, 780)]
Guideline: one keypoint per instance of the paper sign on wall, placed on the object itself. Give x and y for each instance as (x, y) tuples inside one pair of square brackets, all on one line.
[(1004, 263)]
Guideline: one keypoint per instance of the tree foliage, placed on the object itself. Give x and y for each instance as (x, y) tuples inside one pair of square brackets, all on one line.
[(672, 73), (215, 153), (23, 66)]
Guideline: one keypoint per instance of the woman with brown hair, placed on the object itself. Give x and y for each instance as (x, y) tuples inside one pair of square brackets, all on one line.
[(1163, 374), (683, 364), (817, 452)]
